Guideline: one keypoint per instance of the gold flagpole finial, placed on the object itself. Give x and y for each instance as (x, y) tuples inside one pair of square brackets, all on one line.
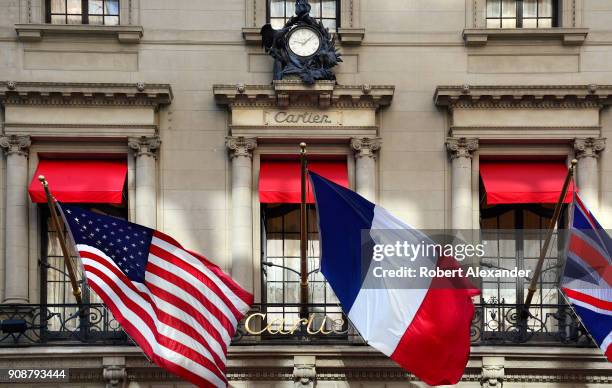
[(302, 148)]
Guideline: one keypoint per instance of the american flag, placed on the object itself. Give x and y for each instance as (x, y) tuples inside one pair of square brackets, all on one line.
[(178, 307), (587, 277)]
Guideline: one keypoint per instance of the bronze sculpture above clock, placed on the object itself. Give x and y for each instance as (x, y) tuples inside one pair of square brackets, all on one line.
[(302, 48)]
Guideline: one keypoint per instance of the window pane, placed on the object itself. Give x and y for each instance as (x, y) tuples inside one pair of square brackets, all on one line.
[(95, 7), (96, 20), (545, 23), (509, 8), (530, 8), (330, 23), (530, 23), (277, 8), (315, 12), (112, 7), (493, 8), (111, 20), (58, 19), (58, 6), (546, 8), (277, 24), (329, 8), (74, 6), (509, 23), (493, 23), (290, 8), (75, 19)]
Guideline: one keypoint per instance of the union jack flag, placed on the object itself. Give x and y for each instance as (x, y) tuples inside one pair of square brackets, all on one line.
[(181, 309), (587, 277)]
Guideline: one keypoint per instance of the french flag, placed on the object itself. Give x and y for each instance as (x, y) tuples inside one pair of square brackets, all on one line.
[(423, 326)]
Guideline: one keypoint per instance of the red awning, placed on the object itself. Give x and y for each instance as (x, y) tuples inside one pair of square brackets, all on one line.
[(524, 182), (80, 180), (279, 181)]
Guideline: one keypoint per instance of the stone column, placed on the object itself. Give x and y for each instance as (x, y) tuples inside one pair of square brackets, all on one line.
[(365, 165), (16, 238), (145, 152), (241, 155), (461, 151), (587, 174)]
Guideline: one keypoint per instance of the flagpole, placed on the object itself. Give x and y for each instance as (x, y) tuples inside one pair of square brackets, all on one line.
[(76, 291), (303, 235), (533, 285)]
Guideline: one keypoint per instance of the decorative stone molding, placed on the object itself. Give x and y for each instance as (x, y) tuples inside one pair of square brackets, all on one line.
[(365, 146), (522, 364), (77, 93), (15, 144), (241, 146), (145, 146), (589, 147), (36, 32), (351, 36), (304, 371), (492, 372), (481, 36), (523, 96), (322, 94), (114, 373), (461, 147)]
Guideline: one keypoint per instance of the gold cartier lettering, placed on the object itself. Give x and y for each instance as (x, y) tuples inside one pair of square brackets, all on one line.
[(291, 327), (283, 117)]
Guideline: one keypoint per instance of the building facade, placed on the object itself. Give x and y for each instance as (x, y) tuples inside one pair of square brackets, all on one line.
[(177, 98)]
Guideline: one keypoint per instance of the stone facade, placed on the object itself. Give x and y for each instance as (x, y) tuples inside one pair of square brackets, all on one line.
[(183, 89)]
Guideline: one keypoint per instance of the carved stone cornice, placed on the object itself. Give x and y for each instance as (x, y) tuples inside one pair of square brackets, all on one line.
[(523, 96), (240, 146), (589, 147), (77, 93), (16, 145), (461, 147), (145, 146), (285, 93), (366, 146)]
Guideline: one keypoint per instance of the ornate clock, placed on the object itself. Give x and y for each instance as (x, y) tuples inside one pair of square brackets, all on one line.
[(304, 41), (302, 48)]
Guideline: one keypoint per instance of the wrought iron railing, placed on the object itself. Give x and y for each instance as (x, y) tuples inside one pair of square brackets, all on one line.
[(269, 324)]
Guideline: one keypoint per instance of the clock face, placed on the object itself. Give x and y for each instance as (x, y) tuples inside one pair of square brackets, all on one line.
[(304, 41)]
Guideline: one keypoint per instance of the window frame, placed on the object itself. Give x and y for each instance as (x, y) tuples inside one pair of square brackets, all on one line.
[(84, 14), (319, 19), (556, 17)]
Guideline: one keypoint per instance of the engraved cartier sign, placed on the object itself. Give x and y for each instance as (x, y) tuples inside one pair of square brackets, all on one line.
[(316, 324), (300, 118)]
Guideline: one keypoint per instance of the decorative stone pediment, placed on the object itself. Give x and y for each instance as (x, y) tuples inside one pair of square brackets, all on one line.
[(323, 94), (71, 93), (82, 110), (289, 108), (523, 96), (524, 113)]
